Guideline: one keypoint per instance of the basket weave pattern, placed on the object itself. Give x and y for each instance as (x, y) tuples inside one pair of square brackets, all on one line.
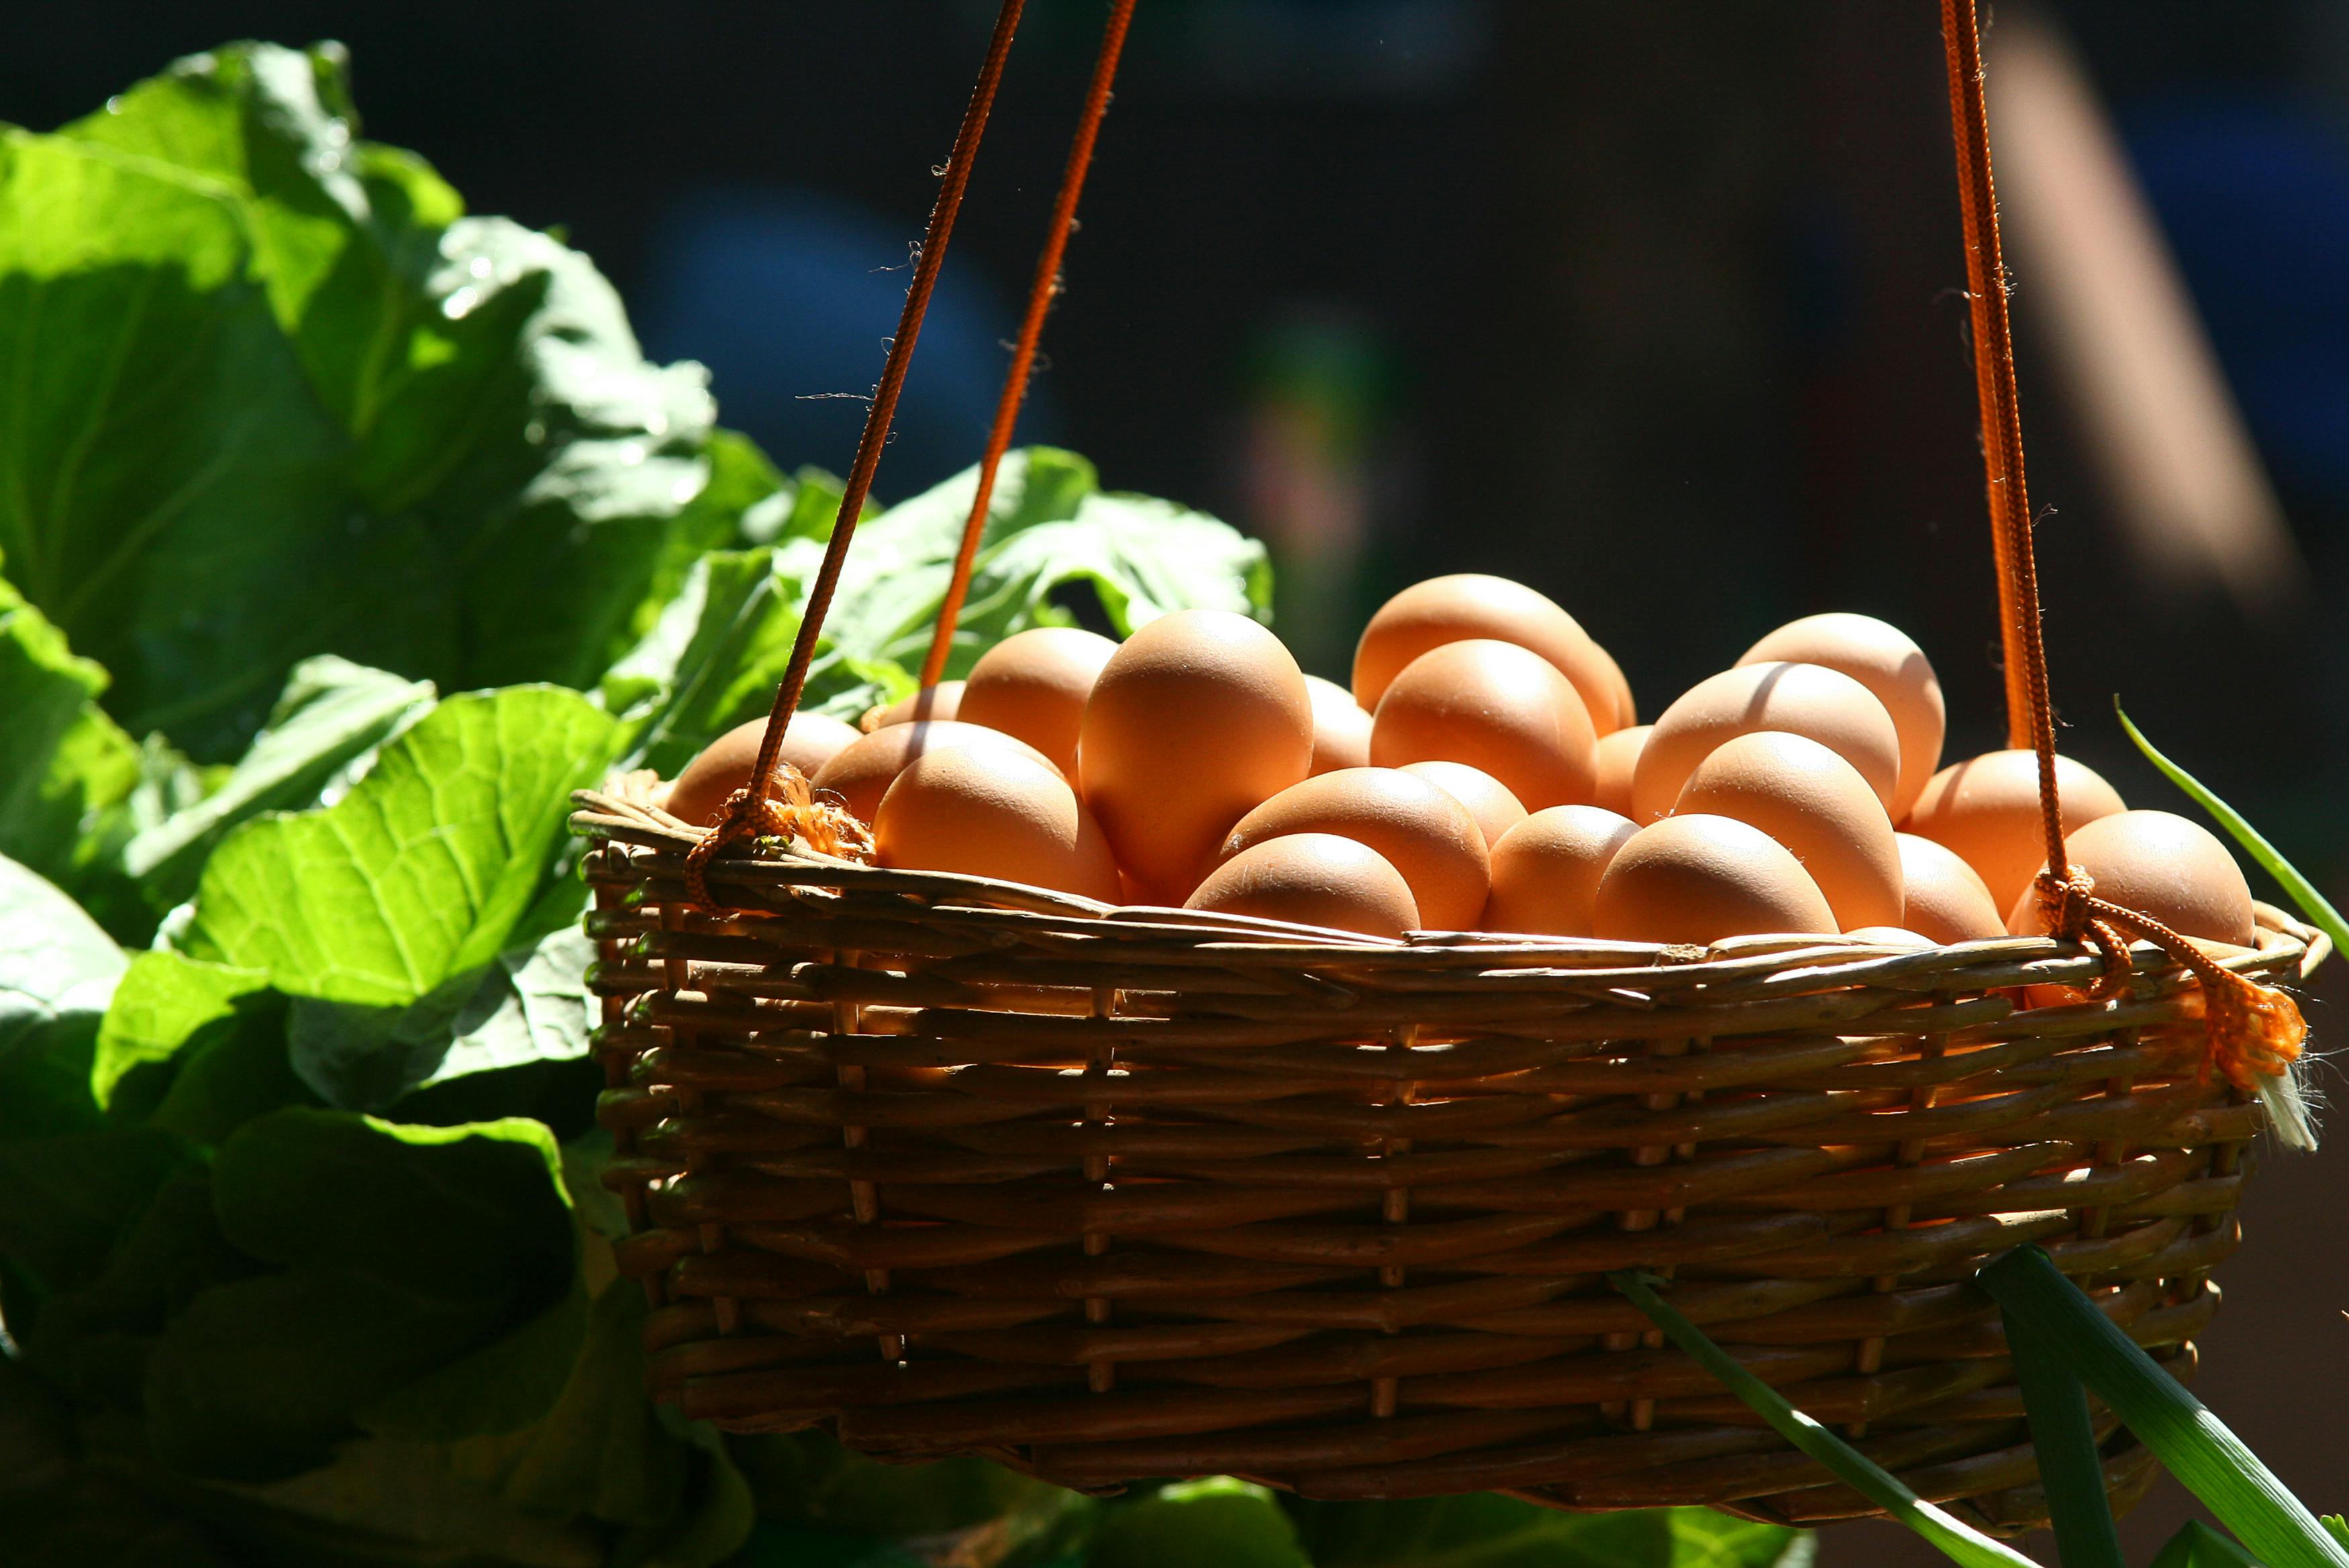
[(954, 1166)]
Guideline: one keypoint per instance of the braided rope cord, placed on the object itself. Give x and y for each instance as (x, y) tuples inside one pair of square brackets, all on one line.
[(2253, 1030), (1042, 291), (754, 810)]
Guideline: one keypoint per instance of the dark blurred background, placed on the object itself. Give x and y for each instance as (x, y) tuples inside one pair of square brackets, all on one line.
[(1653, 303)]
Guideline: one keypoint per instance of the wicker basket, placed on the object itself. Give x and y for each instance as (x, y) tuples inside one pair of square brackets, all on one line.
[(950, 1166)]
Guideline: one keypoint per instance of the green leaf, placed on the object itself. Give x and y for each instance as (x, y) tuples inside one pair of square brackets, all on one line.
[(55, 962), (63, 1200), (57, 1510), (67, 760), (419, 873), (532, 1004), (2064, 1438), (743, 481), (66, 1182), (808, 1478), (277, 396), (1955, 1539), (2197, 1545), (1230, 1524), (529, 1007), (603, 1453), (2312, 903), (163, 784), (601, 1476), (70, 1184), (270, 127), (1048, 528), (598, 1451), (715, 657), (165, 999), (93, 1337), (561, 502), (1143, 556), (487, 373), (221, 1077), (331, 713), (805, 507), (404, 1252), (712, 659), (176, 501), (2192, 1443), (385, 1502), (1487, 1531)]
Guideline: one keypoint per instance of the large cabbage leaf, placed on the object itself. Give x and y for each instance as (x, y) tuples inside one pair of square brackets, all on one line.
[(278, 396), (67, 763), (1050, 528), (414, 1280)]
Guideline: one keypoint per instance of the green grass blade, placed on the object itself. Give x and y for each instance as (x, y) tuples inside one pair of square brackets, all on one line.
[(2312, 903), (2196, 1446), (2069, 1465), (1954, 1540), (2197, 1545)]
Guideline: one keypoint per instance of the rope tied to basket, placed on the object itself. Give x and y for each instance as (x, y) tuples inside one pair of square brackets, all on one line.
[(2253, 1031), (753, 809), (783, 803)]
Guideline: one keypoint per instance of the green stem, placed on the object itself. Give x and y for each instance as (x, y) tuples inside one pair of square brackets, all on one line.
[(1856, 1469), (2065, 1440), (2186, 1437)]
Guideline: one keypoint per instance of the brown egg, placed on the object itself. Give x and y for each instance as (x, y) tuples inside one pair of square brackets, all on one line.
[(724, 765), (1815, 803), (1431, 838), (1825, 705), (1881, 657), (2161, 864), (1626, 708), (1312, 879), (1546, 870), (1987, 808), (1617, 757), (1487, 798), (862, 773), (1197, 719), (1495, 707), (1341, 729), (943, 700), (1033, 684), (1470, 605), (1941, 897), (990, 812), (1698, 878)]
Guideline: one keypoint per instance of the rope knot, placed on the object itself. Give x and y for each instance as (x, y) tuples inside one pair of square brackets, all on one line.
[(2066, 902), (2068, 907), (824, 824)]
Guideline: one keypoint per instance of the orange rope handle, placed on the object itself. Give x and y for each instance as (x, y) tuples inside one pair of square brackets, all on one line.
[(1041, 290), (751, 811), (2253, 1030), (2030, 717)]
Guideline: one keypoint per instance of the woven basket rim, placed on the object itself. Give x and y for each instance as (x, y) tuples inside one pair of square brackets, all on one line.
[(773, 872)]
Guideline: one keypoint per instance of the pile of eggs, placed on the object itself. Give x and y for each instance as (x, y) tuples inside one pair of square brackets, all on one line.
[(1487, 771)]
